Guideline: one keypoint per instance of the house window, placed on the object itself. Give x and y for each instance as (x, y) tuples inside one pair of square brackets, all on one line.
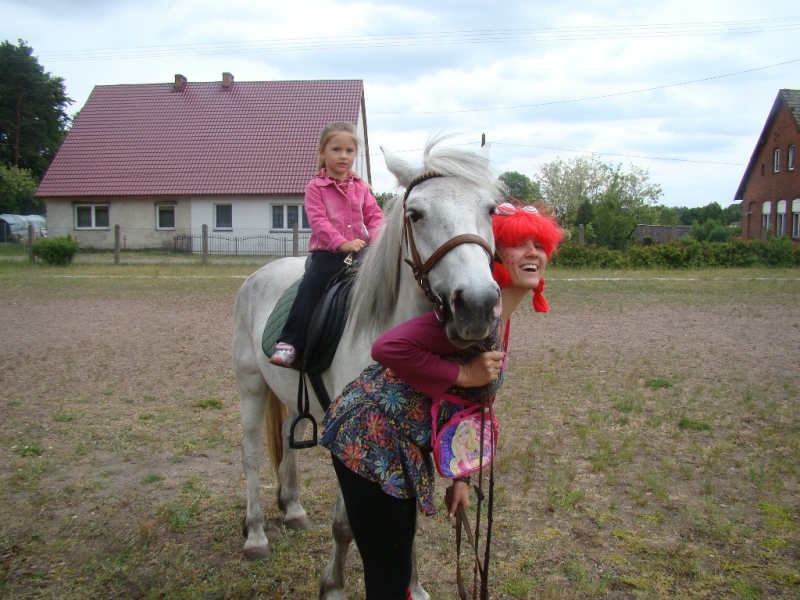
[(766, 209), (780, 223), (165, 217), (223, 216), (790, 160), (91, 216), (796, 218), (284, 216), (776, 160)]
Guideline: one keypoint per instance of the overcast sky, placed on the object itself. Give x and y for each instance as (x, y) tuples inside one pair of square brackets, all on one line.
[(681, 88)]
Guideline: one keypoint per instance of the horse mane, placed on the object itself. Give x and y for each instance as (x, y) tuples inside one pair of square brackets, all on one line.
[(376, 288)]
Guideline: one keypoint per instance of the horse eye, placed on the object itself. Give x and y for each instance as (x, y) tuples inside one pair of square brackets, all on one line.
[(413, 215)]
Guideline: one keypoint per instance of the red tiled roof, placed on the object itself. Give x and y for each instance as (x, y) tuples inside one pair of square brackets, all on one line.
[(251, 138)]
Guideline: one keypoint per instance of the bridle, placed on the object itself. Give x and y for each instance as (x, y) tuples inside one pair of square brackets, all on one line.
[(421, 269)]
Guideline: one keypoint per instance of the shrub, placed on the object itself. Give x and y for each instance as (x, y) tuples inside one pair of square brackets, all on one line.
[(56, 251)]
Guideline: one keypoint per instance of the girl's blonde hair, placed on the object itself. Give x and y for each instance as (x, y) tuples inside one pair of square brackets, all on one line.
[(332, 129)]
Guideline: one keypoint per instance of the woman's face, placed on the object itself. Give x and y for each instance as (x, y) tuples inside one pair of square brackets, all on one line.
[(525, 263)]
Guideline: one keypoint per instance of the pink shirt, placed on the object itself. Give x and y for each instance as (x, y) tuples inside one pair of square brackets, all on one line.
[(337, 216)]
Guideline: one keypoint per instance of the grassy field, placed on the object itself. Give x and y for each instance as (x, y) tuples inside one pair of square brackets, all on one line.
[(649, 442)]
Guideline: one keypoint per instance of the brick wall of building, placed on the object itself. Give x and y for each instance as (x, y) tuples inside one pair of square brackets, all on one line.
[(764, 185)]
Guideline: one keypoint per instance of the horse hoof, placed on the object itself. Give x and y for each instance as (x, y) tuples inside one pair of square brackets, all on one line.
[(257, 552), (299, 523)]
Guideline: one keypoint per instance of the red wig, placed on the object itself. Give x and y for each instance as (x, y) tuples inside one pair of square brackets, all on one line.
[(513, 225)]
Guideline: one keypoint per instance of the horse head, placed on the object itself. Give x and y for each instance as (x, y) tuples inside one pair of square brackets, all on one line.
[(447, 222)]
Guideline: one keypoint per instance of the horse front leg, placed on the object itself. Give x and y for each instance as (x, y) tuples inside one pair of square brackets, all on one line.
[(417, 591), (331, 584), (253, 393), (295, 516)]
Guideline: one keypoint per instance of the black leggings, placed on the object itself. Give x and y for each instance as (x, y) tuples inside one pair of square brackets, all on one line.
[(323, 266), (384, 528)]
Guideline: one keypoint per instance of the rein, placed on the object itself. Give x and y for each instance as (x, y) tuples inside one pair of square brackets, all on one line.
[(421, 270)]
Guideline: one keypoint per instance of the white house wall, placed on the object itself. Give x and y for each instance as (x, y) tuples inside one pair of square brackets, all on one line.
[(136, 217)]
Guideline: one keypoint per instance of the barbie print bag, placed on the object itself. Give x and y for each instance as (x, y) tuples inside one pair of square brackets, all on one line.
[(457, 443)]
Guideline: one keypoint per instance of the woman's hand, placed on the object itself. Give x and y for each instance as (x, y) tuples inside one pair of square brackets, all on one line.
[(459, 495), (351, 246), (481, 370)]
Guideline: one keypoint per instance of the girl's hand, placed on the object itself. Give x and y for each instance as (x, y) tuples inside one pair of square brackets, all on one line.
[(481, 370), (351, 246), (459, 495)]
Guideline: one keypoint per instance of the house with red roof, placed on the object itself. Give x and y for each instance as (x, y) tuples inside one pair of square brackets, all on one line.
[(770, 186), (162, 160)]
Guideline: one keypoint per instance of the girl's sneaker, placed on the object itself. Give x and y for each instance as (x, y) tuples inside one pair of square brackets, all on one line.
[(284, 355)]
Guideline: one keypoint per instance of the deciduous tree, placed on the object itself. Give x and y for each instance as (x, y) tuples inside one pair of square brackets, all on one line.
[(521, 187)]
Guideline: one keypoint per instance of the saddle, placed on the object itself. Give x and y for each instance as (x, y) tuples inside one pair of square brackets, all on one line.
[(326, 326), (324, 333)]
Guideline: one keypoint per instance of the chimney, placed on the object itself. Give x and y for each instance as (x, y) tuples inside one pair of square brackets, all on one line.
[(227, 80), (180, 83)]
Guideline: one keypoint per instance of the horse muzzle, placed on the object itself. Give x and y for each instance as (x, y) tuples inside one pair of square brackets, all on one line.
[(473, 315)]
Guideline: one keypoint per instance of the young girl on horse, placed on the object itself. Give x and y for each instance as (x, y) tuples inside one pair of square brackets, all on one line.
[(344, 218), (379, 429)]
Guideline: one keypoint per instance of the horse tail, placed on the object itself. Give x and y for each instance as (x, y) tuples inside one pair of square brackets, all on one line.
[(274, 416)]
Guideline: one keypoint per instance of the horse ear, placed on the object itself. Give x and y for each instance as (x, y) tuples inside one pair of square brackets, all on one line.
[(399, 168)]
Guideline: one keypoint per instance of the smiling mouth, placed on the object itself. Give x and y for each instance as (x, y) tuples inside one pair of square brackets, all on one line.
[(529, 268)]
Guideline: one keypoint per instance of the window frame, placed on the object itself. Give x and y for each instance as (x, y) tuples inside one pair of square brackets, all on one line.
[(217, 226), (776, 160), (796, 218), (93, 208), (164, 207), (790, 158), (305, 226), (766, 211)]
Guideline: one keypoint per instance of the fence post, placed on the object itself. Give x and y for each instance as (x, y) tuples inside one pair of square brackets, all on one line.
[(581, 234), (205, 244), (296, 239), (31, 238), (116, 243)]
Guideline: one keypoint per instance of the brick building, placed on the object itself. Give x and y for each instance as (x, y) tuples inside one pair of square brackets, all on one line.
[(770, 187)]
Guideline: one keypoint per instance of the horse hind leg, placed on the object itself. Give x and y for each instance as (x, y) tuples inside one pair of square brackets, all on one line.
[(253, 392), (331, 584), (295, 516)]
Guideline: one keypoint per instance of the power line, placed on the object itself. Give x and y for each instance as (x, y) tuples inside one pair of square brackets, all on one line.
[(650, 89), (686, 160), (439, 38)]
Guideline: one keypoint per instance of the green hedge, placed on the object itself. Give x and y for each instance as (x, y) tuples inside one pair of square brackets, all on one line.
[(682, 254), (56, 251)]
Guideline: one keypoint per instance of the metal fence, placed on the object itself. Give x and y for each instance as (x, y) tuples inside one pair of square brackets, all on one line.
[(261, 244)]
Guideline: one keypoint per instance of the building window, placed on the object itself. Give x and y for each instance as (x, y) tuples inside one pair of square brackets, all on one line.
[(91, 216), (776, 160), (223, 216), (796, 218), (165, 217), (284, 216), (790, 160), (780, 223), (766, 209)]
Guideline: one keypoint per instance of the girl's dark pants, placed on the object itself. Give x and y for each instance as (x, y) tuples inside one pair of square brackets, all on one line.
[(323, 266), (384, 528)]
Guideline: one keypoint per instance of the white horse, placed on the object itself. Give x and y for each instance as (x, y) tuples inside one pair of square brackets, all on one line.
[(461, 201)]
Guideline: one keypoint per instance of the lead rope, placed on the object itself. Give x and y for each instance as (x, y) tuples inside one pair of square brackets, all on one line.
[(480, 568)]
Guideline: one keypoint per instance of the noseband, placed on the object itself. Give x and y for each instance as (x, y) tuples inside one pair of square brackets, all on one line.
[(421, 269)]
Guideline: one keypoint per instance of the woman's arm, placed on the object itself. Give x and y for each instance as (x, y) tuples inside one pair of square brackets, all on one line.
[(414, 351)]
